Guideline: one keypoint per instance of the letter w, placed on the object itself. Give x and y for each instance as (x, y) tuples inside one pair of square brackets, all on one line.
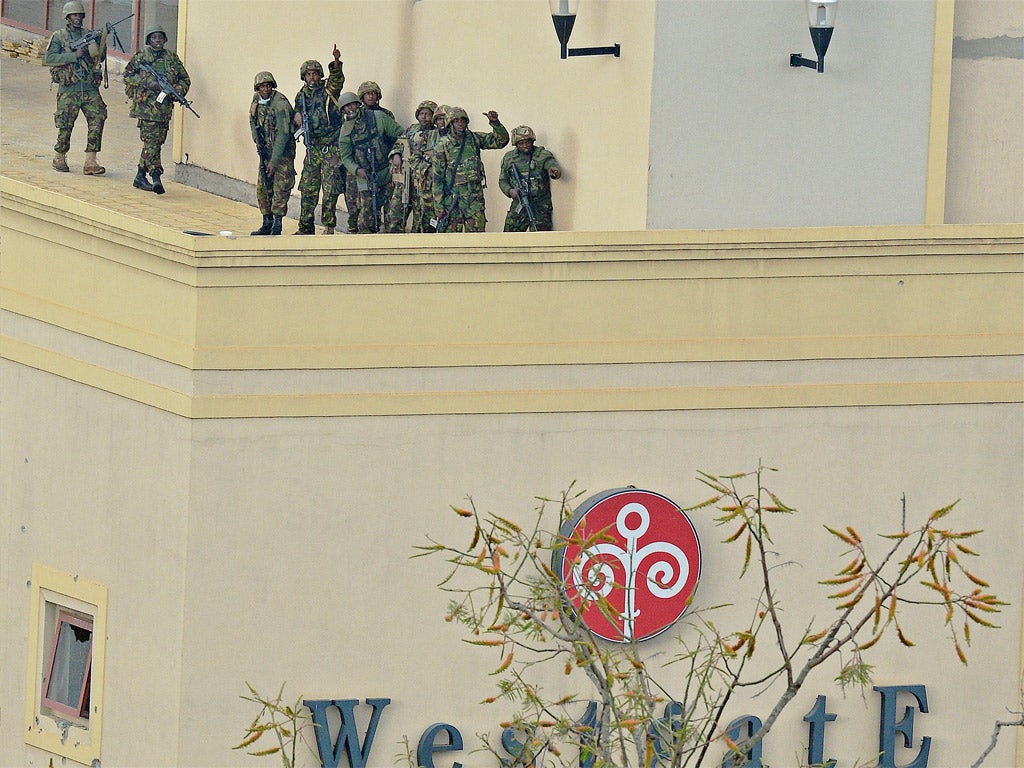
[(348, 737)]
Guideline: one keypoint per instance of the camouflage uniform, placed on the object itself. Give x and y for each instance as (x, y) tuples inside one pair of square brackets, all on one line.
[(271, 126), (535, 167), (78, 90), (458, 176), (321, 168), (365, 142), (425, 181), (351, 187), (412, 146), (153, 112)]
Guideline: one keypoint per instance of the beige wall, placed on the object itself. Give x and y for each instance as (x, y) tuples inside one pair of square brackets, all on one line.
[(739, 138), (986, 157), (97, 486), (243, 447), (295, 562)]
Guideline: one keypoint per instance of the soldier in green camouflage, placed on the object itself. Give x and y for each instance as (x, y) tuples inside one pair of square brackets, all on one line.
[(317, 101), (458, 173), (409, 162), (270, 120), (536, 166), (425, 189), (78, 76), (366, 139), (150, 105), (369, 95)]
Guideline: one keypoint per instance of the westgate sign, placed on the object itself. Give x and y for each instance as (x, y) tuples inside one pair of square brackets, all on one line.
[(443, 737), (635, 551)]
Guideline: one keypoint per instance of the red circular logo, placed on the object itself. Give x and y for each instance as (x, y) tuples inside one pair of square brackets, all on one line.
[(629, 563)]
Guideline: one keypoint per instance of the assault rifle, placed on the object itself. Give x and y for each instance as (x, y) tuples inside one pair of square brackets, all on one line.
[(373, 190), (303, 132), (167, 88), (94, 35), (263, 152), (441, 224), (524, 196), (371, 124), (405, 179)]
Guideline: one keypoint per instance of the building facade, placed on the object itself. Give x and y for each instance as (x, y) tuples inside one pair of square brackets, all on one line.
[(218, 454)]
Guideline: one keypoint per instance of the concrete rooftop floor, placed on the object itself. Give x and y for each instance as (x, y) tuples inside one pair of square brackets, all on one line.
[(27, 135)]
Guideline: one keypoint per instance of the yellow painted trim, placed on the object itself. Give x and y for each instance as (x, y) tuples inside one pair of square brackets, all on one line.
[(565, 400), (175, 351), (77, 591), (938, 130), (95, 376), (610, 400)]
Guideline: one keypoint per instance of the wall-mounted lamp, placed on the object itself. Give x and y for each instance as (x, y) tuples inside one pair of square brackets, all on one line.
[(563, 14), (821, 15)]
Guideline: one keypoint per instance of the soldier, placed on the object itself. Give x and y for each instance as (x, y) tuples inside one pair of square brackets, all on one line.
[(536, 167), (150, 105), (270, 120), (369, 95), (441, 121), (459, 173), (424, 181), (78, 76), (366, 138), (410, 162), (317, 102)]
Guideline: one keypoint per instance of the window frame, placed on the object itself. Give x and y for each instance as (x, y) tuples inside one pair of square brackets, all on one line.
[(55, 597), (81, 710)]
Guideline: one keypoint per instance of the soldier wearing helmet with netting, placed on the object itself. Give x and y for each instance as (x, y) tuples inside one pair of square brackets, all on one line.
[(366, 140), (317, 102), (425, 181), (409, 163), (536, 166), (150, 105), (78, 75), (270, 120), (370, 94), (458, 172)]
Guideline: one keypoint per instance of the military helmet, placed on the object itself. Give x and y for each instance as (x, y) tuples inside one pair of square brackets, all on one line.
[(263, 77), (441, 112), (347, 98), (153, 29), (367, 87), (310, 64), (428, 104), (74, 6), (455, 113), (522, 133)]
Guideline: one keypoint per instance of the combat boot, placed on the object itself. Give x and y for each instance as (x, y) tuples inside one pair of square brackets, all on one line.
[(265, 229), (141, 182), (305, 229), (60, 162), (157, 186), (91, 167), (275, 226)]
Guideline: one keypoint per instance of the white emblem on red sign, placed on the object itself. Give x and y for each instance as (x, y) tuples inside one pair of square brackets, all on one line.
[(629, 564)]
